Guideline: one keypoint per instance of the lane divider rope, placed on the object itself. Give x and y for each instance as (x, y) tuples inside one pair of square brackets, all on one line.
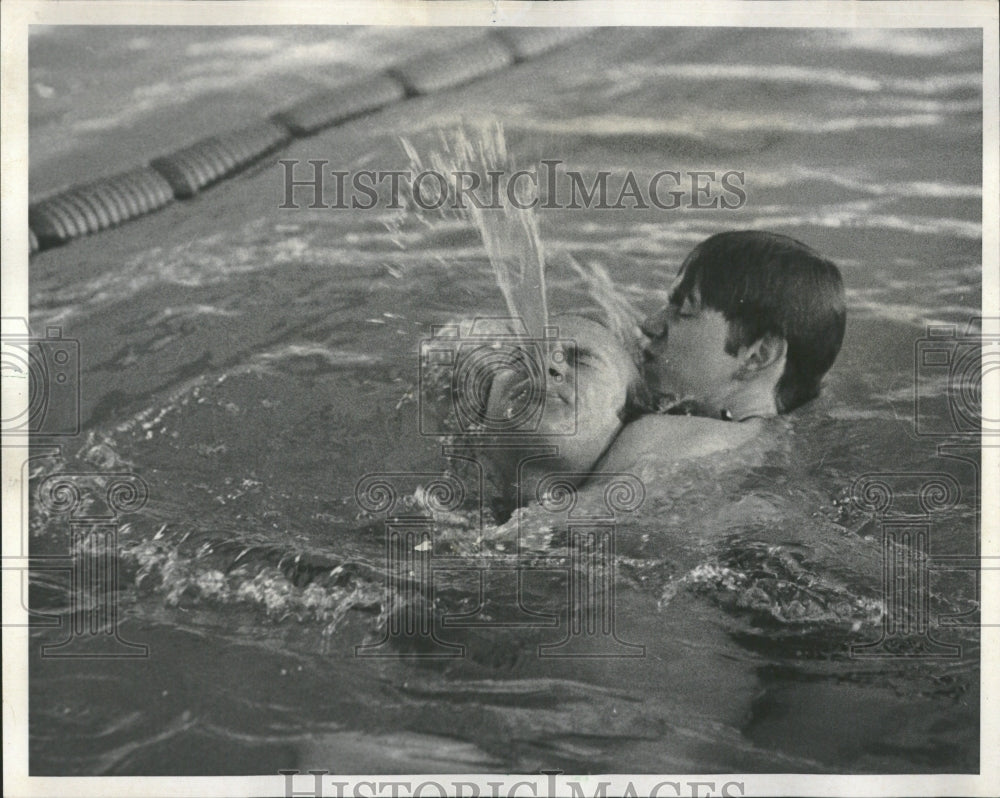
[(108, 202), (435, 72), (341, 104), (96, 206), (205, 162)]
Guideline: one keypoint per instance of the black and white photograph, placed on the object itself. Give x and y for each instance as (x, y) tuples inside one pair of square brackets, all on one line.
[(500, 399)]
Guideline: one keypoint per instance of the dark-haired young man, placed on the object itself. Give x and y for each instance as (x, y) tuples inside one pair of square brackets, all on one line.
[(754, 321)]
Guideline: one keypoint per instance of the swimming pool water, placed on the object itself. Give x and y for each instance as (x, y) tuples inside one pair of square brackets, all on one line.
[(251, 364)]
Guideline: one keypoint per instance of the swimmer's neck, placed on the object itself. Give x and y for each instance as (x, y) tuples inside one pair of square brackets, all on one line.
[(746, 399)]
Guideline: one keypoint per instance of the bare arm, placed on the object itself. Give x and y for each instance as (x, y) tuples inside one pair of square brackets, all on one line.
[(662, 438)]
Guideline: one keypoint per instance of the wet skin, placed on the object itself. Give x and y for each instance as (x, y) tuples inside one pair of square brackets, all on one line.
[(586, 390), (686, 351), (592, 384), (687, 359)]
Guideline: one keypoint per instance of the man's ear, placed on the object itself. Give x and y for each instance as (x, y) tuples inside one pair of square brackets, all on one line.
[(762, 353)]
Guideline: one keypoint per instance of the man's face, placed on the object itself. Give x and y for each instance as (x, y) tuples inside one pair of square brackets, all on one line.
[(586, 391), (686, 355)]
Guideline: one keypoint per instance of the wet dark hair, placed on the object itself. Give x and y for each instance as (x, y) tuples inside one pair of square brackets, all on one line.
[(769, 283)]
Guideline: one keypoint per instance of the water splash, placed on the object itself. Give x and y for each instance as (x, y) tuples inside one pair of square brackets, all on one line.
[(509, 234), (621, 315)]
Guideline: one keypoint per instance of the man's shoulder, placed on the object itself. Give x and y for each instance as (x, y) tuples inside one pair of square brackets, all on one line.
[(674, 438)]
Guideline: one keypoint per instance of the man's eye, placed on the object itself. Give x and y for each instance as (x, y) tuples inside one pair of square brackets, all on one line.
[(569, 355)]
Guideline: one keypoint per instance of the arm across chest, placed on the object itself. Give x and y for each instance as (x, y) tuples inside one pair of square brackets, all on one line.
[(668, 439)]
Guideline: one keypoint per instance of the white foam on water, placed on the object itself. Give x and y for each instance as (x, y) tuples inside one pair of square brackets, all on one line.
[(704, 124), (240, 62), (639, 74), (866, 183), (899, 42), (905, 312), (897, 102), (233, 45), (187, 579), (237, 62), (851, 217), (334, 357), (860, 414), (204, 261), (398, 752), (192, 311)]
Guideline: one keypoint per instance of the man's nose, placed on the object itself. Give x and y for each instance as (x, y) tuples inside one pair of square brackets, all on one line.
[(655, 325)]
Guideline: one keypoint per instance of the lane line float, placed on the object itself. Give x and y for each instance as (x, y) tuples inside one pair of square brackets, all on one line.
[(108, 202)]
